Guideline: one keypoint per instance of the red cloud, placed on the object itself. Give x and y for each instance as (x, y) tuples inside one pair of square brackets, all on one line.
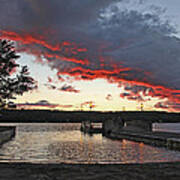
[(91, 104), (65, 106), (161, 105), (168, 105), (49, 79), (58, 50), (81, 67), (60, 78)]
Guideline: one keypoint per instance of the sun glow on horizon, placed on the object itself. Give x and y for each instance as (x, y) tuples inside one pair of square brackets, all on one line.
[(95, 91)]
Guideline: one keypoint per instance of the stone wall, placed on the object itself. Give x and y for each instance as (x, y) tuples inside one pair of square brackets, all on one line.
[(113, 125), (116, 125), (137, 125), (6, 134)]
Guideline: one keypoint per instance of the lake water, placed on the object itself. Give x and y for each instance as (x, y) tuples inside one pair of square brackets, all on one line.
[(57, 143)]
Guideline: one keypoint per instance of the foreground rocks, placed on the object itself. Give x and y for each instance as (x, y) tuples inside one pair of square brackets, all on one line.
[(151, 171)]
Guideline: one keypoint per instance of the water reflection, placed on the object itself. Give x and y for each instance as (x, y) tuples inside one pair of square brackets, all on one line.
[(51, 143)]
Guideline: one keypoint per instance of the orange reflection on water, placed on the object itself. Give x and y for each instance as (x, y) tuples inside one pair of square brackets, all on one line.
[(141, 155), (65, 143)]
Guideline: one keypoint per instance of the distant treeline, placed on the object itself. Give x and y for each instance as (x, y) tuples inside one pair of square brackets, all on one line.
[(28, 116)]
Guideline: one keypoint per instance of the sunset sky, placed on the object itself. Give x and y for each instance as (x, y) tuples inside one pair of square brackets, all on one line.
[(111, 54)]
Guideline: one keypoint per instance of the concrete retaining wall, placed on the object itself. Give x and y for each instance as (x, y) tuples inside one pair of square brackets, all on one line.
[(151, 139), (137, 125), (140, 131), (113, 125), (6, 134), (116, 125)]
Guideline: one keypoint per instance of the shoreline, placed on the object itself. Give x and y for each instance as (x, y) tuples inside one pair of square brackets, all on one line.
[(30, 171), (41, 116)]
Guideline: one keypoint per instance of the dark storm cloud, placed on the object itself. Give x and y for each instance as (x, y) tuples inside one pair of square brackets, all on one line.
[(92, 39), (109, 97), (144, 41), (168, 105), (27, 13), (161, 105), (50, 86), (68, 88), (43, 103)]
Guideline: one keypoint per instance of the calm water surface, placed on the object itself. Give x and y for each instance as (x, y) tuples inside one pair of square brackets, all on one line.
[(55, 143)]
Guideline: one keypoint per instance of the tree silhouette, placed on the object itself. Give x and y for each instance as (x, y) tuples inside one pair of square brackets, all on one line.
[(12, 80)]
